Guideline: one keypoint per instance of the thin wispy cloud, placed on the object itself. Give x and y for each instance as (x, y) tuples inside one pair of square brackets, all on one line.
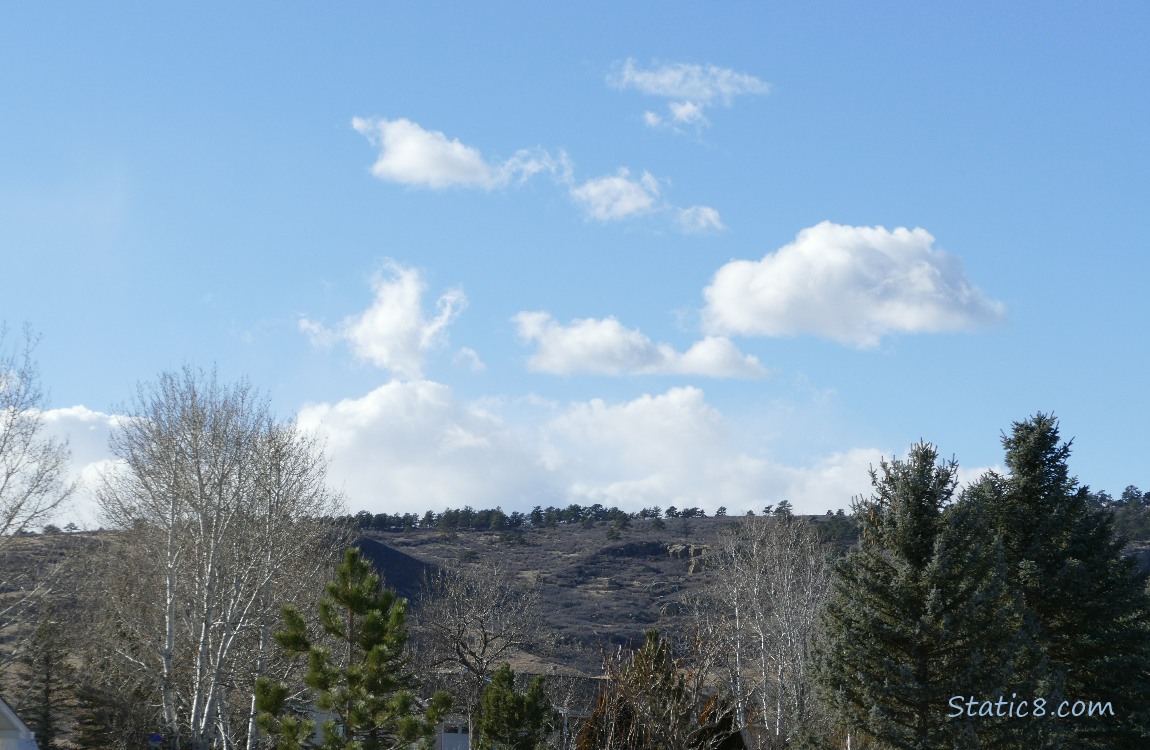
[(394, 333), (698, 220), (691, 88), (854, 285), (606, 347)]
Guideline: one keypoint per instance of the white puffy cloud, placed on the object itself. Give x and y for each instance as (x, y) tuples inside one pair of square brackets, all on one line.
[(692, 88), (676, 449), (87, 432), (617, 196), (698, 219), (393, 333), (850, 284), (411, 155), (606, 347), (412, 447)]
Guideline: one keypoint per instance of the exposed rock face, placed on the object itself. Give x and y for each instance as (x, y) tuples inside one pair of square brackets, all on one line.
[(695, 553)]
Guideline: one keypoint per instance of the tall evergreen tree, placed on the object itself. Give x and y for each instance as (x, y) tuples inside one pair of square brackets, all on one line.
[(1088, 608), (510, 720), (920, 613), (105, 721), (366, 687), (47, 695)]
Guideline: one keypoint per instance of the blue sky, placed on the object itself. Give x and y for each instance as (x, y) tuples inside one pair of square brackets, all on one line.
[(517, 254)]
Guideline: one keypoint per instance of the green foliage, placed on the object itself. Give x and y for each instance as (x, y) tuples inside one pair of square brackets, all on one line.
[(510, 720), (364, 685), (1089, 609), (47, 691), (105, 720), (920, 612)]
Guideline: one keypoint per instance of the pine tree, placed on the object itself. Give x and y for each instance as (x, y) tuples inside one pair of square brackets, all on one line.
[(366, 688), (1089, 610), (104, 721), (510, 720), (46, 697), (919, 613)]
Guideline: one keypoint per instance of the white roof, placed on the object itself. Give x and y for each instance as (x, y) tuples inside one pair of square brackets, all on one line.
[(14, 734)]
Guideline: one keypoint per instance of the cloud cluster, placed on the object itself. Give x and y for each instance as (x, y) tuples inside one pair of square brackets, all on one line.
[(849, 284), (408, 447), (416, 157), (691, 89), (394, 333), (606, 347), (413, 446)]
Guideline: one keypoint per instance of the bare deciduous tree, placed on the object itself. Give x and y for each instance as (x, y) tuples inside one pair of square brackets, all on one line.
[(220, 506), (769, 580), (32, 466), (472, 618), (653, 699)]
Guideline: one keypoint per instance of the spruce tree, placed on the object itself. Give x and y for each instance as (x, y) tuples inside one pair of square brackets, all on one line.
[(1088, 608), (510, 720), (364, 686), (919, 613), (47, 695), (105, 720)]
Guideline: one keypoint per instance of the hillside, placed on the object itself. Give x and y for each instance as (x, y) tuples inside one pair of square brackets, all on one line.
[(596, 592)]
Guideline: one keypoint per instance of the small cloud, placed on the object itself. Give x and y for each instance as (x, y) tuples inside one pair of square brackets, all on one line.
[(698, 220), (413, 156), (393, 333), (850, 284), (618, 196), (687, 113), (467, 357), (606, 347), (692, 88), (317, 334)]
